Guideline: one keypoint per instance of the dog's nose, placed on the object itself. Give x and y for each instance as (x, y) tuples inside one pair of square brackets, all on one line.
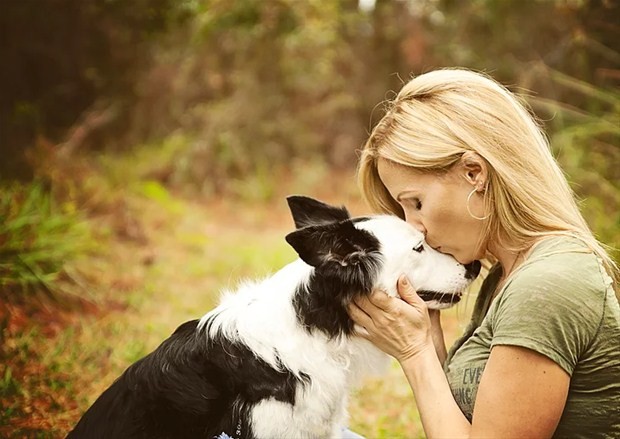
[(472, 270)]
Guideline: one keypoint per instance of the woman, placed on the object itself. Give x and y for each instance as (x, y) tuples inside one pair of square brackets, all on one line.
[(460, 158)]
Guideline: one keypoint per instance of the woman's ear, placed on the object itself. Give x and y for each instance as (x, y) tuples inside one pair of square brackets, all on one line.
[(475, 170)]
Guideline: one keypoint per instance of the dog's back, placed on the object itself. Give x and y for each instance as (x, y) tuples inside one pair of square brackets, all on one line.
[(157, 396)]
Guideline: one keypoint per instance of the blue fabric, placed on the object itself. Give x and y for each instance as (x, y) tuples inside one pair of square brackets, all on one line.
[(348, 434)]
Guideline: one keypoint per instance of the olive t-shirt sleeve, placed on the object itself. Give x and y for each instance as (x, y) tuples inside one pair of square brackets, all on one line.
[(555, 312)]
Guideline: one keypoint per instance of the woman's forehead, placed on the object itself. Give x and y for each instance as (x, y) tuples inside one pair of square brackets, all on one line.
[(391, 168), (396, 174), (392, 173)]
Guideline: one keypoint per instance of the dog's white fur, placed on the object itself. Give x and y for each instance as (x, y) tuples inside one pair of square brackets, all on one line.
[(263, 310)]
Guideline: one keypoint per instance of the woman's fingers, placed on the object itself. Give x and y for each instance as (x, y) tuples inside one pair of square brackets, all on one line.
[(361, 320), (358, 315), (407, 292), (379, 300), (398, 327)]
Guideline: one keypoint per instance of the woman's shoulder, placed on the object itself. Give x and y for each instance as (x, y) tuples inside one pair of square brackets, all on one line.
[(561, 279), (562, 265), (561, 247), (556, 303)]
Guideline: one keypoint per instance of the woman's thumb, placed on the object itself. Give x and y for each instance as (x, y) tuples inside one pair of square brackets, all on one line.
[(406, 290)]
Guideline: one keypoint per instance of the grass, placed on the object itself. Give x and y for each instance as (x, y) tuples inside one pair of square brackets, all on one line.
[(37, 237), (56, 362)]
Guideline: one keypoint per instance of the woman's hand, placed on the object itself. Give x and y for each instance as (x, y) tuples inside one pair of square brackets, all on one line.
[(401, 328)]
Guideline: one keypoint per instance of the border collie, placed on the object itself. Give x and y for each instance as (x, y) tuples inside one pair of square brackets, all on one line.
[(277, 358)]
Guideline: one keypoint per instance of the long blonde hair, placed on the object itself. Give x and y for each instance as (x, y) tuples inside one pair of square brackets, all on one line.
[(438, 116)]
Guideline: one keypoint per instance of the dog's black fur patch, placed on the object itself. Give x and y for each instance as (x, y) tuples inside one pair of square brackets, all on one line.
[(346, 262), (189, 387), (307, 211)]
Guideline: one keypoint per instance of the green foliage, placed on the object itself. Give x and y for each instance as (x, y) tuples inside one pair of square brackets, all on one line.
[(586, 141), (272, 98), (37, 239), (9, 386), (79, 55)]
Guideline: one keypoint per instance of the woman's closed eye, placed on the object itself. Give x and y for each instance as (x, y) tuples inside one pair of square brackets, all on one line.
[(414, 202)]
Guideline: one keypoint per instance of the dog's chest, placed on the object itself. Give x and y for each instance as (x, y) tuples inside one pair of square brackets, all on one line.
[(319, 409), (268, 325), (320, 399)]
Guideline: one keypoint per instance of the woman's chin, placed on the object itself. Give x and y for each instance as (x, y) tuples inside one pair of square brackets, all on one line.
[(465, 260), (461, 259)]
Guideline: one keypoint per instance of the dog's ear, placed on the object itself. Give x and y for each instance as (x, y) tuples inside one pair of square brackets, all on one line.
[(339, 243), (307, 211)]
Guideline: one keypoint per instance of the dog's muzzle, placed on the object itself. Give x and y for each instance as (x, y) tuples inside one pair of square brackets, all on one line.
[(448, 298)]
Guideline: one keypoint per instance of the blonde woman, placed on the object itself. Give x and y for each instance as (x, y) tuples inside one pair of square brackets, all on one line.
[(460, 158)]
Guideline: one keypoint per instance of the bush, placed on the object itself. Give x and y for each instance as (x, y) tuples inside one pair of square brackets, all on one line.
[(37, 239), (585, 141)]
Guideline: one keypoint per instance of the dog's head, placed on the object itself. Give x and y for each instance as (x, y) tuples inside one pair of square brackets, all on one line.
[(357, 255)]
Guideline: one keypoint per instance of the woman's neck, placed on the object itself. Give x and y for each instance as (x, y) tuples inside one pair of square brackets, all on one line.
[(509, 260)]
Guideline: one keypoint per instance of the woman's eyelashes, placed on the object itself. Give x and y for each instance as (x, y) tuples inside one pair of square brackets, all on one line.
[(413, 202)]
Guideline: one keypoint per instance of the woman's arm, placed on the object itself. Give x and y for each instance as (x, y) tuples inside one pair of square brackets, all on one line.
[(441, 416), (437, 335), (402, 328), (521, 394)]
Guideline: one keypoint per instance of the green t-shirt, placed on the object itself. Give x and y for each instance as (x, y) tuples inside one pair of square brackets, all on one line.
[(560, 303)]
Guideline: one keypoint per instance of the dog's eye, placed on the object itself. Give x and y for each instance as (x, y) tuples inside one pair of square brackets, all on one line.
[(419, 248)]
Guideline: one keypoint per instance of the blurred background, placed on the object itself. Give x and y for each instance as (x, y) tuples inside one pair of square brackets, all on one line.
[(146, 147)]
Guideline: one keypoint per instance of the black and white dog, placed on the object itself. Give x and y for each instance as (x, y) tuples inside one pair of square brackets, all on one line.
[(277, 358)]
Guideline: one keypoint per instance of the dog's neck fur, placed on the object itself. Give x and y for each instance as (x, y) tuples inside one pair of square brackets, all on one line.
[(321, 302), (296, 298)]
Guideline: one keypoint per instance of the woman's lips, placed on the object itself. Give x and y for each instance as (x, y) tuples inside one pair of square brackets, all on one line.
[(441, 250), (447, 252), (433, 246)]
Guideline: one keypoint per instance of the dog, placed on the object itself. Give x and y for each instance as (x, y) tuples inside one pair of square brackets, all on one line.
[(277, 358)]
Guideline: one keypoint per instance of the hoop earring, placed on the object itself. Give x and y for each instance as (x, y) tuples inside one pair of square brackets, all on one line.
[(479, 218)]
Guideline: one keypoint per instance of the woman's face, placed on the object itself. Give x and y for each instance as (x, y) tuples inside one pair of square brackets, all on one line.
[(437, 206)]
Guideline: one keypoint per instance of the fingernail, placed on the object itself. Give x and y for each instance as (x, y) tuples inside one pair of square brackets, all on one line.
[(404, 281)]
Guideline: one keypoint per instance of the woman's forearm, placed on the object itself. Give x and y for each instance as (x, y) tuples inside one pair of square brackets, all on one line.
[(441, 416), (437, 335)]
